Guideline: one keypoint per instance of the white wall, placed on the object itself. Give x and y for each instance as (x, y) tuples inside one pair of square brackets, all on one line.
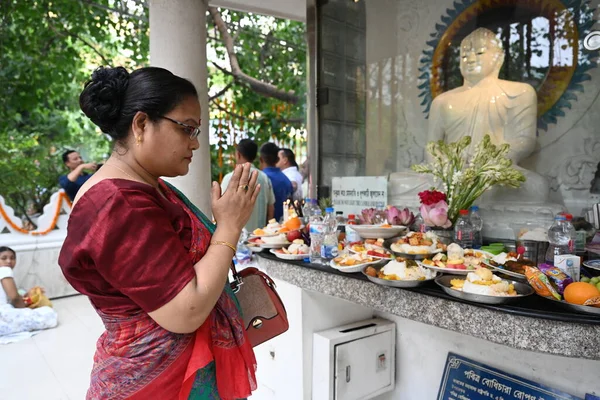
[(285, 362), (421, 352)]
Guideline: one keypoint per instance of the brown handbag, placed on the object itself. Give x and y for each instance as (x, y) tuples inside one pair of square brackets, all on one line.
[(262, 309)]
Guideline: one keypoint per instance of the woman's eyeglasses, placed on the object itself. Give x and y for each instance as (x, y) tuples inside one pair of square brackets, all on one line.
[(193, 131)]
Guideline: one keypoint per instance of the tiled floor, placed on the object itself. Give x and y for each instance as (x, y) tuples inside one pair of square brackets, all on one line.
[(56, 364)]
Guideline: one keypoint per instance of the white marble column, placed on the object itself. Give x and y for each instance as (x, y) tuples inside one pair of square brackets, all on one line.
[(178, 43)]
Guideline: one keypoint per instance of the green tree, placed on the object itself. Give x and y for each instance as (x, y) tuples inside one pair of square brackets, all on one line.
[(48, 48)]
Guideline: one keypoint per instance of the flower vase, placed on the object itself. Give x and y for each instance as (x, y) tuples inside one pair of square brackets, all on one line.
[(446, 235)]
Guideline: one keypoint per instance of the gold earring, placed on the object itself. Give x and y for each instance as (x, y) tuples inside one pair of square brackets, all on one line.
[(138, 140)]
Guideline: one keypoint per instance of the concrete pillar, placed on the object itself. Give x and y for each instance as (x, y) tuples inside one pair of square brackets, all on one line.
[(178, 43)]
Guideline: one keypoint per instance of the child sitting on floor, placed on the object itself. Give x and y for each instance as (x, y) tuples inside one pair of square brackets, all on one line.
[(15, 317)]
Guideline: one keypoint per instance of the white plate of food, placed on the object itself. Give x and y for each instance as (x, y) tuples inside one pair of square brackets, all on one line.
[(416, 245), (457, 261), (384, 231), (279, 253), (274, 228), (482, 286), (372, 248), (593, 264), (296, 251), (510, 264), (351, 263), (399, 273)]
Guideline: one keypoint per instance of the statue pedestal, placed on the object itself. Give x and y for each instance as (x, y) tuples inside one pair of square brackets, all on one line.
[(502, 219)]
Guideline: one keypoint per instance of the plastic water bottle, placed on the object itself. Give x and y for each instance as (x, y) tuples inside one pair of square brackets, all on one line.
[(463, 231), (316, 231), (559, 238), (477, 224), (570, 229), (307, 209), (329, 248), (243, 254), (351, 235)]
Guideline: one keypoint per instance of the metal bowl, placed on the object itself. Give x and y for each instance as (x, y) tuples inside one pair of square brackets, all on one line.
[(575, 307), (505, 272), (397, 284), (523, 290)]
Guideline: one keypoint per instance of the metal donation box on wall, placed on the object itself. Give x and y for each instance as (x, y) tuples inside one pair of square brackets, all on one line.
[(355, 361)]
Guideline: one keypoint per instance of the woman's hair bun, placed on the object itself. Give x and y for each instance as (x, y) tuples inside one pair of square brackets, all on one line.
[(103, 97)]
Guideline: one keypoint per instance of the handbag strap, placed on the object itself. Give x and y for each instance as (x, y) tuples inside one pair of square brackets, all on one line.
[(237, 279)]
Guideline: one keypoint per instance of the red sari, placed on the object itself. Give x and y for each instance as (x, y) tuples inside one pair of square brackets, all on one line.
[(132, 251)]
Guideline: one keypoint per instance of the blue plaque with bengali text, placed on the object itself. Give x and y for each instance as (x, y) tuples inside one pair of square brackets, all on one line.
[(465, 379)]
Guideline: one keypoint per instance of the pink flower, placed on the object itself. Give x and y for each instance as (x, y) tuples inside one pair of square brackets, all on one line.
[(436, 214), (399, 217)]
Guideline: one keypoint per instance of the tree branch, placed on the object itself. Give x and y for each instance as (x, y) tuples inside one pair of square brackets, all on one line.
[(65, 32), (260, 87), (121, 11), (221, 92), (293, 121)]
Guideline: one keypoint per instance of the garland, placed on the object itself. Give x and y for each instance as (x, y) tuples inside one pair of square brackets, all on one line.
[(62, 196)]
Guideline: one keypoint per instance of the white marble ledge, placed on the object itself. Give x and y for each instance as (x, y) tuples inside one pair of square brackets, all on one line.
[(520, 332)]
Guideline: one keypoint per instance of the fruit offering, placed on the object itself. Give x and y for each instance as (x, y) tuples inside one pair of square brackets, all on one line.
[(296, 248), (418, 243), (348, 260), (370, 247), (483, 282), (457, 258), (274, 228), (401, 270), (583, 294)]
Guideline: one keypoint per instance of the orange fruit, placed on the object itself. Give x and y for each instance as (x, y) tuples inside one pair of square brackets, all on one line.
[(285, 229), (293, 223), (580, 292)]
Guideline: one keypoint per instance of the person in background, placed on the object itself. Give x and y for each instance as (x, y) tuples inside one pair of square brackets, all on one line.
[(264, 208), (282, 187), (77, 175), (287, 164), (15, 317)]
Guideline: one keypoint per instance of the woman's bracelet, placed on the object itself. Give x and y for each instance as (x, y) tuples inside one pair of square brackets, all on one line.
[(222, 243)]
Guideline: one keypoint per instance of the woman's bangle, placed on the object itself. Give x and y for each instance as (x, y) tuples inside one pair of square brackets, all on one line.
[(222, 243)]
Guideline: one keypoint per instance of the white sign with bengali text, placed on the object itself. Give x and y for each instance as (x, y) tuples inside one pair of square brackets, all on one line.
[(352, 194)]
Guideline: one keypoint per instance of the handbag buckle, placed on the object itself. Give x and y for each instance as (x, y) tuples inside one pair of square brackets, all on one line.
[(237, 282)]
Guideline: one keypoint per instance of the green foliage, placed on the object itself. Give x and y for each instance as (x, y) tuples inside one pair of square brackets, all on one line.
[(48, 50), (273, 51)]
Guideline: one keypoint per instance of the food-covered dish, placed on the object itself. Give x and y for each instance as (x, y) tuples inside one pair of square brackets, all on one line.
[(353, 259), (269, 240), (370, 247), (458, 258), (275, 228), (401, 270), (511, 262), (418, 243), (484, 282), (296, 248)]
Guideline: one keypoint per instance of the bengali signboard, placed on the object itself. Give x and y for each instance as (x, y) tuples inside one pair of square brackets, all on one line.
[(465, 379), (353, 194)]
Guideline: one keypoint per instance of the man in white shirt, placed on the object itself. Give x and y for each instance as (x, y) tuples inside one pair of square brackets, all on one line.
[(264, 208), (287, 164)]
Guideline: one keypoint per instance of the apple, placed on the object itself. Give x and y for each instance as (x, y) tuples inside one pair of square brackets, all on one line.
[(293, 235)]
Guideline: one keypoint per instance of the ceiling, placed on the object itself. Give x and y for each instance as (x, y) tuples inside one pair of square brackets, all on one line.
[(289, 9)]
